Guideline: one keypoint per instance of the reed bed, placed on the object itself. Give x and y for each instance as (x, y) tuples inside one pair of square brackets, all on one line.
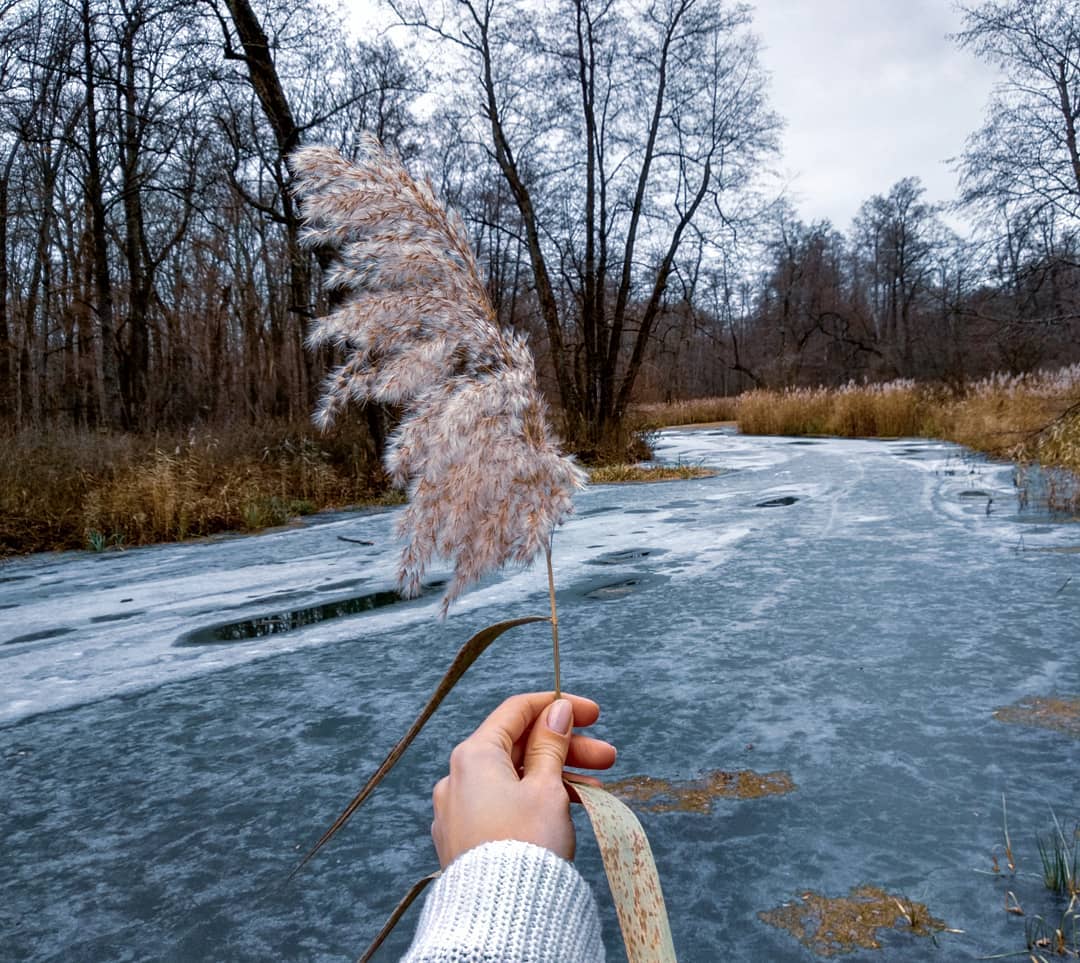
[(79, 489), (1032, 418)]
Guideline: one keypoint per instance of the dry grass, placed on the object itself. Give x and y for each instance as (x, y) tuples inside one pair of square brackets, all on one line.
[(63, 490), (614, 474), (696, 411)]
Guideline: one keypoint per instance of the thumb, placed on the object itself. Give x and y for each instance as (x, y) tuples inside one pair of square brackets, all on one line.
[(549, 742)]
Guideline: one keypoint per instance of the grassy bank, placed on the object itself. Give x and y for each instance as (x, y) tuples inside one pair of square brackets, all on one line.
[(72, 489), (1034, 419), (62, 490)]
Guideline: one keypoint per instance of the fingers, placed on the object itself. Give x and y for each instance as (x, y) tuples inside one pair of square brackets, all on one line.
[(511, 720), (549, 743), (588, 753)]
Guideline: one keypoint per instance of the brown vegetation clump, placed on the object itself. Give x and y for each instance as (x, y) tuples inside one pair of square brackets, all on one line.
[(697, 795), (829, 925), (626, 474), (1057, 713), (487, 483)]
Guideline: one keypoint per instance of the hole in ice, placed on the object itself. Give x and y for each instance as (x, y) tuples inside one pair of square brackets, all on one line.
[(974, 493), (804, 441), (39, 636), (616, 590), (777, 502), (279, 622), (626, 555), (13, 578), (640, 511), (598, 511), (9, 605), (117, 616), (682, 503)]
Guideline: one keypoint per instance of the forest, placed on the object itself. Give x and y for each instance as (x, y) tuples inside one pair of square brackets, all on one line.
[(610, 160)]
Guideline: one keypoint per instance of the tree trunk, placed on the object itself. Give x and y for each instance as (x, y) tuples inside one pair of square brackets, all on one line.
[(111, 402), (263, 75), (7, 366)]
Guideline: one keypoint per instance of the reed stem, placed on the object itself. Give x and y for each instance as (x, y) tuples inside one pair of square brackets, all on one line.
[(554, 621)]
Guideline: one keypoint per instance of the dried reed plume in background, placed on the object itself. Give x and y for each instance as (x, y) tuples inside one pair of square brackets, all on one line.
[(487, 483)]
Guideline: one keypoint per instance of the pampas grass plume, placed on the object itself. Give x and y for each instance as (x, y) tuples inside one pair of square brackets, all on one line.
[(487, 483)]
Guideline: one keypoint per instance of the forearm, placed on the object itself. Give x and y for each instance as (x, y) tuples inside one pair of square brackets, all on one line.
[(508, 901)]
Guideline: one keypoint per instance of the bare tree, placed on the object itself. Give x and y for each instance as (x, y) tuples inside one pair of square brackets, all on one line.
[(1026, 153), (616, 128)]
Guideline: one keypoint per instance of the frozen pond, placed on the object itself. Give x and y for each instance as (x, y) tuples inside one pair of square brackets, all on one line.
[(847, 613)]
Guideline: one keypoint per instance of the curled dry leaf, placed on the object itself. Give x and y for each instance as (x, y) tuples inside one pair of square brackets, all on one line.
[(632, 876), (467, 655), (486, 480)]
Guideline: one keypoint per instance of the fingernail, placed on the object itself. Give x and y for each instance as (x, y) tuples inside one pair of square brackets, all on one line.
[(560, 716)]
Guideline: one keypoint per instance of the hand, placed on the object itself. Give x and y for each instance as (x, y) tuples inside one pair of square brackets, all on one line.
[(505, 780)]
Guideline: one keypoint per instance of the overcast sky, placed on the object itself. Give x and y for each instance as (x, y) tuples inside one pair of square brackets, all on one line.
[(871, 91)]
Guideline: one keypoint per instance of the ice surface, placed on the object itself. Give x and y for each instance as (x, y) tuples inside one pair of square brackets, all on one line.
[(156, 795)]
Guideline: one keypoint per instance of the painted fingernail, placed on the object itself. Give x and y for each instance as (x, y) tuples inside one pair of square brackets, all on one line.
[(560, 716)]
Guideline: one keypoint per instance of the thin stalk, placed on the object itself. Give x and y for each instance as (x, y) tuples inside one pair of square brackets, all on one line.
[(554, 621)]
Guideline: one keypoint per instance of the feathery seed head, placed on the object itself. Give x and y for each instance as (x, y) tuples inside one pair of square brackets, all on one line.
[(487, 483)]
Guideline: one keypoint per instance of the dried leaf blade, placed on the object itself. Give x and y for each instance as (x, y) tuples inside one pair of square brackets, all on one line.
[(632, 876), (392, 920), (467, 655)]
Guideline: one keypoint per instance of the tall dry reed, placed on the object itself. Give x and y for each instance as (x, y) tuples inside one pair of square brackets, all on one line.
[(79, 489)]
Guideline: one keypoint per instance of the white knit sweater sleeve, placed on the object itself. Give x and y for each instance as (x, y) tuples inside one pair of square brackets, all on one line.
[(510, 902)]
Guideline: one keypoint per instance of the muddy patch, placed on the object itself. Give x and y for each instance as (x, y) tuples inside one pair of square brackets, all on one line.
[(616, 590), (603, 510), (828, 925), (626, 555), (697, 795), (279, 622), (1057, 713), (118, 616), (781, 502), (39, 636), (348, 583)]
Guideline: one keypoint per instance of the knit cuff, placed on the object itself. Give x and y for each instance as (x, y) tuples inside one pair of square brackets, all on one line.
[(508, 901)]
